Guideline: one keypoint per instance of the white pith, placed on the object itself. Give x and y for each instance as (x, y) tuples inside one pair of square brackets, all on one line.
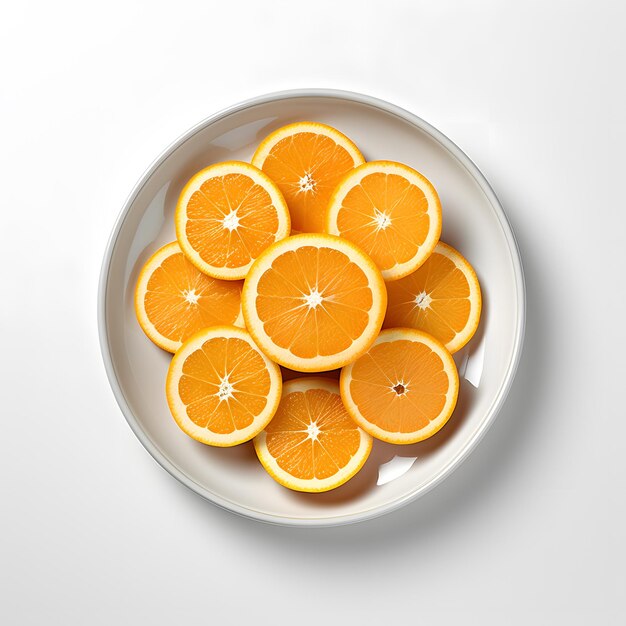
[(231, 221), (306, 183), (422, 300), (381, 220)]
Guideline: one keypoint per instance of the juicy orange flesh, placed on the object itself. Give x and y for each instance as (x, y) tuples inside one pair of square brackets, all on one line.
[(330, 327), (204, 374), (296, 451), (387, 217), (180, 300), (303, 160), (448, 291), (409, 367), (230, 200)]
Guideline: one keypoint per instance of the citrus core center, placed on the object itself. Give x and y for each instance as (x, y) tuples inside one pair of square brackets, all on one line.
[(382, 220), (400, 388), (231, 221), (423, 300), (313, 431), (306, 183), (191, 296), (226, 389), (313, 299)]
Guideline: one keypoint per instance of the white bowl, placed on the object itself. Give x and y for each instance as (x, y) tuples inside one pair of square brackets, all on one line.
[(473, 221)]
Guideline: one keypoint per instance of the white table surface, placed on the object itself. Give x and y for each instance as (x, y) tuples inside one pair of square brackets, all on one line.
[(530, 530)]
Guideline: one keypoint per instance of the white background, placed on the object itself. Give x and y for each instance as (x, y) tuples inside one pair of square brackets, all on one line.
[(530, 530)]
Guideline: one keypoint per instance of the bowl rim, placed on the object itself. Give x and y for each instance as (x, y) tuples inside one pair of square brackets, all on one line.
[(492, 412)]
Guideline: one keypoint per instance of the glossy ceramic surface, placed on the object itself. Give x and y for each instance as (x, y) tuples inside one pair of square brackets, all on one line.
[(473, 221)]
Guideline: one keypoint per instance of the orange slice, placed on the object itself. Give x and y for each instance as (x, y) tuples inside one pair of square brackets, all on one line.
[(441, 298), (403, 389), (313, 302), (174, 300), (312, 444), (390, 211), (307, 160), (226, 215), (220, 388)]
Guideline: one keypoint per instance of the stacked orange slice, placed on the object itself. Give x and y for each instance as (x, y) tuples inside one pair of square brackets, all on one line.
[(307, 160), (314, 302), (390, 211), (174, 300), (221, 389), (441, 298), (403, 389), (227, 215), (312, 444)]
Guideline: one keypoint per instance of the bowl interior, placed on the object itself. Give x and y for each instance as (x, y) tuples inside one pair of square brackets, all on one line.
[(473, 222)]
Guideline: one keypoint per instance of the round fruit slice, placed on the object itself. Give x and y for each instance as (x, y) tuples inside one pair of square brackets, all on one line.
[(174, 300), (307, 160), (313, 302), (220, 388), (226, 215), (441, 298), (403, 389), (390, 211), (312, 444)]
